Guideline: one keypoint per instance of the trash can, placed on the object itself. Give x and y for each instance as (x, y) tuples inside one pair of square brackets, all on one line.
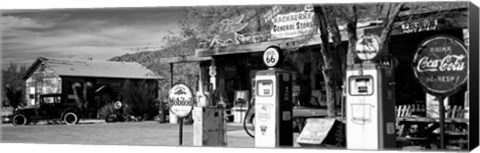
[(239, 114), (240, 106)]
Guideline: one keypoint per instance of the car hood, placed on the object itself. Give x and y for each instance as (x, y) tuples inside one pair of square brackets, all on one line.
[(28, 107)]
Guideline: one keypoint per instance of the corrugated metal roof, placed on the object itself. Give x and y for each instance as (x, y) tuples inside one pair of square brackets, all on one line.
[(92, 68)]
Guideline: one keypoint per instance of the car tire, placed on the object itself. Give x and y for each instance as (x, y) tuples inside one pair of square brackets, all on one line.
[(111, 118), (70, 118), (20, 120)]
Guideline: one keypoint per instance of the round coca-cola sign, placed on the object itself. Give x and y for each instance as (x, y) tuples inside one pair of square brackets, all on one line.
[(441, 64)]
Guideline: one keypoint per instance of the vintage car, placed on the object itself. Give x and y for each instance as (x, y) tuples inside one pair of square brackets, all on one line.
[(6, 114), (50, 107)]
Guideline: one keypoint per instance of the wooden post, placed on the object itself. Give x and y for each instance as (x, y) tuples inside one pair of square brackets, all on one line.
[(442, 121), (171, 75)]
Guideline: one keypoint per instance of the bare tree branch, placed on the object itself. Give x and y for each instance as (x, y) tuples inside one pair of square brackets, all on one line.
[(390, 19)]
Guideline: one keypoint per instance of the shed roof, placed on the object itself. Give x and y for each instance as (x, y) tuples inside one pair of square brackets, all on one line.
[(93, 68)]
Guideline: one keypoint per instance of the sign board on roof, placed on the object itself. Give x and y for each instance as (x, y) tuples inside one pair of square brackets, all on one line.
[(420, 26), (272, 13), (293, 25), (441, 64)]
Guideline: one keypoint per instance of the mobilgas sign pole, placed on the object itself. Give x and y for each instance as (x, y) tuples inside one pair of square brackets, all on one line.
[(180, 132), (180, 99)]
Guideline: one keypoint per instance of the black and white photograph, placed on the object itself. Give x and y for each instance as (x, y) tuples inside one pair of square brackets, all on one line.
[(297, 76)]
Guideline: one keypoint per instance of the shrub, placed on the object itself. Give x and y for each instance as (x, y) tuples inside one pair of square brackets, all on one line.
[(106, 110), (141, 97)]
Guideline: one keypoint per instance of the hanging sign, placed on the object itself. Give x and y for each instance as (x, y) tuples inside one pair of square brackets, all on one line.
[(441, 64), (367, 47), (293, 24), (386, 60), (271, 56), (419, 26), (180, 100)]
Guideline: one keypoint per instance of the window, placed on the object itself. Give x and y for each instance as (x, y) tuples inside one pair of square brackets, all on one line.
[(361, 85), (265, 88)]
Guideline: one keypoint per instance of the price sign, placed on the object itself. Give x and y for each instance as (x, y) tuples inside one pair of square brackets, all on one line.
[(271, 56), (180, 100), (441, 64)]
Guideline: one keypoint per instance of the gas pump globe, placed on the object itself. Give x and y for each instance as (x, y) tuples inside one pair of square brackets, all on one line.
[(370, 101), (273, 103)]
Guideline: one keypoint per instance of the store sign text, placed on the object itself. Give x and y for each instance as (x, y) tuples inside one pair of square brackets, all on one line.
[(419, 26), (293, 24)]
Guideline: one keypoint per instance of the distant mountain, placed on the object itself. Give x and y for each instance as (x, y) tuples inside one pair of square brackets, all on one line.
[(152, 59), (183, 72)]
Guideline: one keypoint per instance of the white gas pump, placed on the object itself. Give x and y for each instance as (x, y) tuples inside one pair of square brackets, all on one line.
[(273, 104), (370, 103)]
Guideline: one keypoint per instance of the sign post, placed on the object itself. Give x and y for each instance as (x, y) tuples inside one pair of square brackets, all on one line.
[(441, 66), (180, 100)]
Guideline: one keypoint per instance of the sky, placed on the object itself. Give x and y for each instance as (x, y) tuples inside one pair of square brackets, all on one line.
[(98, 33), (81, 29)]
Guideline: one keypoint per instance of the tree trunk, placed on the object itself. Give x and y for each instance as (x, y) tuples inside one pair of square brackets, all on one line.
[(329, 65), (389, 20)]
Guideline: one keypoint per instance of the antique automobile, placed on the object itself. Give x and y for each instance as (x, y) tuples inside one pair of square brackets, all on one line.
[(50, 107), (6, 114)]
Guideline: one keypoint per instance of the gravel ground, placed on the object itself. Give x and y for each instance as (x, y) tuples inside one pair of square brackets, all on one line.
[(127, 133)]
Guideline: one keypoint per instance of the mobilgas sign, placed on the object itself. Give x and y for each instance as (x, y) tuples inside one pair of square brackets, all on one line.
[(180, 100), (441, 64)]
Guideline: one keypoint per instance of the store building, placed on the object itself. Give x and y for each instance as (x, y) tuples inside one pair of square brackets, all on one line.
[(95, 82), (233, 65)]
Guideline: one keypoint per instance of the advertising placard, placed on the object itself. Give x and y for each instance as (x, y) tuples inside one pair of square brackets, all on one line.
[(367, 47), (271, 56), (180, 100), (441, 64), (293, 24)]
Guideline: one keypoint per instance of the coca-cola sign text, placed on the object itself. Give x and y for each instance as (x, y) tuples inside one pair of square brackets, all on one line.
[(441, 64)]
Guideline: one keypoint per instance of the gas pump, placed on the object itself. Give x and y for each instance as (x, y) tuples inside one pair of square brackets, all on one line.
[(273, 104), (370, 101)]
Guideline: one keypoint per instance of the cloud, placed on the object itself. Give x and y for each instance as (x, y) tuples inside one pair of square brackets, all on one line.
[(100, 34), (21, 22)]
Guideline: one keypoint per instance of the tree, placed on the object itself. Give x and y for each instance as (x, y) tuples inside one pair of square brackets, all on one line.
[(14, 85), (329, 18), (139, 96)]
